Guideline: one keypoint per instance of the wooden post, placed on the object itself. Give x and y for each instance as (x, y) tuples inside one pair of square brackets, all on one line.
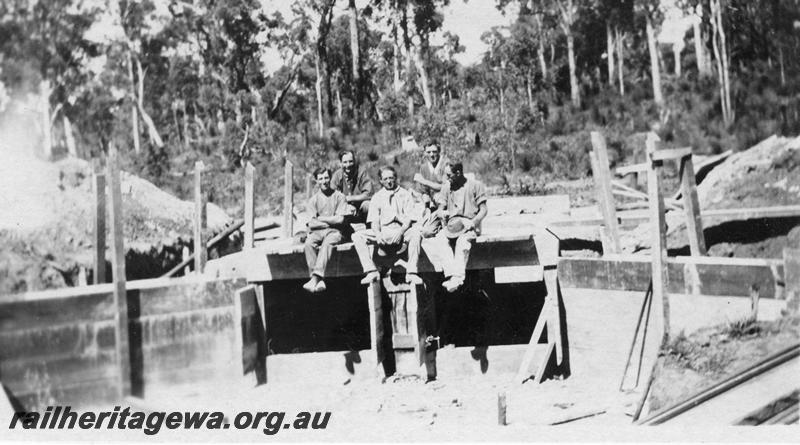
[(658, 221), (691, 205), (659, 297), (605, 197), (375, 302), (199, 218), (99, 185), (288, 200), (118, 266), (309, 186), (501, 409), (249, 206), (754, 297)]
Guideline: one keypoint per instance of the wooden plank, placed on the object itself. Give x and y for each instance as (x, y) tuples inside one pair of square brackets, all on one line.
[(118, 265), (250, 333), (200, 203), (634, 168), (605, 196), (288, 199), (99, 186), (659, 235), (374, 300), (264, 264), (714, 277), (691, 205), (249, 206), (752, 213), (670, 154)]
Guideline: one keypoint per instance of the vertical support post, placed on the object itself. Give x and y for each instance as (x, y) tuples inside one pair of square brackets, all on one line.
[(691, 205), (199, 218), (249, 206), (288, 199), (659, 297), (99, 185), (375, 302), (755, 295), (308, 186), (605, 197), (658, 221), (118, 266), (502, 408)]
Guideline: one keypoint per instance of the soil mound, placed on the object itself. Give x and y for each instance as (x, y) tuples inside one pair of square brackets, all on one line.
[(47, 223)]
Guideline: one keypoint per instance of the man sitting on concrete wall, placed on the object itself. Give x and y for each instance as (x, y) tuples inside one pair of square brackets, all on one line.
[(327, 209), (355, 184), (392, 212), (462, 209)]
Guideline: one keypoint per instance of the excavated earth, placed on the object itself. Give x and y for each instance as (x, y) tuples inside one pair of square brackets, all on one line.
[(47, 223)]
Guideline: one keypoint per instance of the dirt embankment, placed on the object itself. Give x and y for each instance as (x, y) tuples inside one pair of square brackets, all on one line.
[(47, 223), (765, 175)]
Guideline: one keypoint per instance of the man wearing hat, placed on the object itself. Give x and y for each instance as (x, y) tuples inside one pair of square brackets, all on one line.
[(462, 209), (391, 214)]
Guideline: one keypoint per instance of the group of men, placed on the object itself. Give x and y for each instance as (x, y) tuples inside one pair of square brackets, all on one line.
[(442, 215)]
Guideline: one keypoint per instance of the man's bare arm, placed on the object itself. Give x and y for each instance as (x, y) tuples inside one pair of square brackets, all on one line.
[(420, 180), (357, 198), (476, 221)]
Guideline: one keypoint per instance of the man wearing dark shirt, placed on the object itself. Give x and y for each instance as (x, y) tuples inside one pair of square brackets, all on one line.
[(327, 209), (355, 184), (431, 174)]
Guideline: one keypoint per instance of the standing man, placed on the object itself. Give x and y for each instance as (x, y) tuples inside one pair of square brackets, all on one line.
[(462, 210), (354, 184), (327, 209), (431, 176), (391, 214)]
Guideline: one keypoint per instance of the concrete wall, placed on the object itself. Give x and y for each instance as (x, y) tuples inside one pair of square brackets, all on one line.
[(59, 346)]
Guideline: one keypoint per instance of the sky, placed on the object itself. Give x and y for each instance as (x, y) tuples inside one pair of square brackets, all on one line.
[(466, 19)]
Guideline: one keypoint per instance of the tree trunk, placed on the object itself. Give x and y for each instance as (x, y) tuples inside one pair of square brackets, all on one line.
[(699, 47), (610, 54), (721, 55), (326, 15), (676, 51), (529, 89), (575, 93), (423, 77), (620, 38), (356, 62), (318, 89), (540, 50), (47, 134), (396, 60), (780, 62), (69, 136), (409, 59), (134, 108), (155, 138), (654, 70), (338, 104)]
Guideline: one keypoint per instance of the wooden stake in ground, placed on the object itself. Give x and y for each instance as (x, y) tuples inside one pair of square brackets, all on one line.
[(288, 199), (605, 197), (249, 206), (118, 264), (691, 205), (99, 185), (199, 218), (660, 278)]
